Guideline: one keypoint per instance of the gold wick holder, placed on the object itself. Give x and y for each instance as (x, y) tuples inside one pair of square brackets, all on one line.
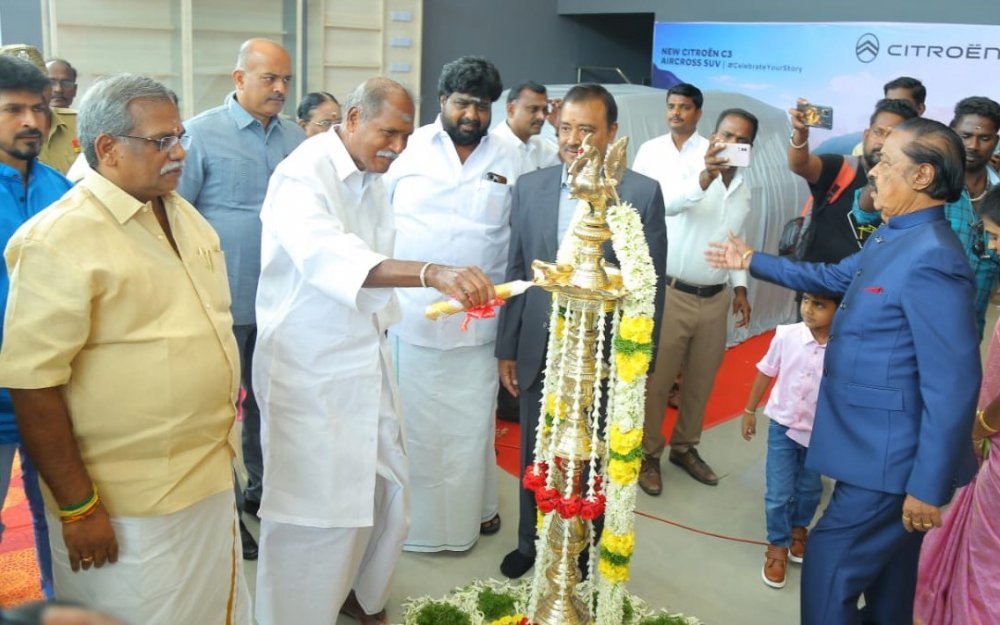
[(587, 288)]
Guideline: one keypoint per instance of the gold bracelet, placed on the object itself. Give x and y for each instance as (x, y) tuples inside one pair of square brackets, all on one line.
[(746, 255), (981, 417), (750, 412)]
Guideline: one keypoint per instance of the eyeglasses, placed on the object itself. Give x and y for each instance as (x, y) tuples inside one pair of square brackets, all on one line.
[(165, 143), (325, 123), (65, 83)]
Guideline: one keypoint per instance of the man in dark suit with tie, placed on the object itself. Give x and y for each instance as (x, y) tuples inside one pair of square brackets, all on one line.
[(900, 382), (541, 212)]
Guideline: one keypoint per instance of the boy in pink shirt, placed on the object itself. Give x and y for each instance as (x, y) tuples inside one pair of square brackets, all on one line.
[(793, 492)]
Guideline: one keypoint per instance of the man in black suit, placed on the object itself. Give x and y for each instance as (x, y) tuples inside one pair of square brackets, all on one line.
[(540, 215)]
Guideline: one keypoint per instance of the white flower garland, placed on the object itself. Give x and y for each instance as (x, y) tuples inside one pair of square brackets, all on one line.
[(630, 360)]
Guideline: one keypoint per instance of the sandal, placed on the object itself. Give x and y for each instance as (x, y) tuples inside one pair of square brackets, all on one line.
[(490, 527), (354, 610)]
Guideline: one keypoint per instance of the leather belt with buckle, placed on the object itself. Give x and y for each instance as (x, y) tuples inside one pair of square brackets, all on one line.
[(694, 289)]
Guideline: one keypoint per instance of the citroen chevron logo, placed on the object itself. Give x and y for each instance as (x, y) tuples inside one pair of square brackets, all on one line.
[(866, 48)]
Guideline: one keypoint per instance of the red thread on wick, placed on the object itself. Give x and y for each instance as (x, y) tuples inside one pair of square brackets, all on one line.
[(486, 311)]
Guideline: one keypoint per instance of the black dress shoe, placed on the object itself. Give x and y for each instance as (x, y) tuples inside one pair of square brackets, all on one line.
[(249, 544), (251, 506), (515, 564)]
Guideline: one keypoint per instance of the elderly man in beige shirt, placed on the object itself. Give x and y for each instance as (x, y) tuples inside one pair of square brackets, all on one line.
[(123, 369)]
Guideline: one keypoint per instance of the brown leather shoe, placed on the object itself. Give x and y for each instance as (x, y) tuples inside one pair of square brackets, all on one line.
[(354, 610), (775, 563), (697, 468), (797, 550), (649, 476)]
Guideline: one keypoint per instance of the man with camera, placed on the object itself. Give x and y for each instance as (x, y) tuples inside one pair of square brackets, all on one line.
[(704, 197), (834, 178)]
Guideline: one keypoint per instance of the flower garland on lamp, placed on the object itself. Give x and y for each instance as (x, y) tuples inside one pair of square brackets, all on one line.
[(632, 353), (581, 385), (631, 356)]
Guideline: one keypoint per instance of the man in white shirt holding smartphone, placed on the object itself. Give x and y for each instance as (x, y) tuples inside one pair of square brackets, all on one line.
[(705, 197)]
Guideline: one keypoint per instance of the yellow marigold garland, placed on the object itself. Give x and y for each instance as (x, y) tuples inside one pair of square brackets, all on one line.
[(636, 329), (633, 352), (631, 366)]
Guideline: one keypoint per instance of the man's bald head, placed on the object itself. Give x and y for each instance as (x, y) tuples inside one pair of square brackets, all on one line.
[(262, 77), (377, 123), (255, 50)]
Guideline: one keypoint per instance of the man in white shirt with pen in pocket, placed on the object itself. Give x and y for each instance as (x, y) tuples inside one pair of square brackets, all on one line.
[(451, 194), (705, 198)]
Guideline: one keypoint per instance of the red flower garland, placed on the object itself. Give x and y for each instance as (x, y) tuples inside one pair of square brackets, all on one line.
[(549, 499), (535, 476)]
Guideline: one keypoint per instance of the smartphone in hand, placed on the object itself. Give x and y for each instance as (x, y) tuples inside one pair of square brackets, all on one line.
[(817, 116), (737, 153)]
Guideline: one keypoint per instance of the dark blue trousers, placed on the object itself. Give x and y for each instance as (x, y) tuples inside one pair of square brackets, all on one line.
[(859, 547)]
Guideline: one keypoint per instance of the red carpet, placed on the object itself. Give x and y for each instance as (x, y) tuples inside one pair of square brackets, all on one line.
[(18, 567), (732, 385)]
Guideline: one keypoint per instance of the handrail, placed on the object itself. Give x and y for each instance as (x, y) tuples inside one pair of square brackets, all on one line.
[(580, 69)]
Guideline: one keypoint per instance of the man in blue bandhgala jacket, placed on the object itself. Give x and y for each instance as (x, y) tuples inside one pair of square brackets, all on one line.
[(900, 382)]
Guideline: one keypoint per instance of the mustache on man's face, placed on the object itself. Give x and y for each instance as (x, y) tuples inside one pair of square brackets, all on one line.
[(171, 166)]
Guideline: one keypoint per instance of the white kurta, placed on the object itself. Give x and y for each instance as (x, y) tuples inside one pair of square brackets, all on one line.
[(334, 504), (453, 213), (317, 366)]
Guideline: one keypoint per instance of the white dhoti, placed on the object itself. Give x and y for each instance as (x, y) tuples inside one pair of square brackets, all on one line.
[(305, 573), (183, 567), (449, 405)]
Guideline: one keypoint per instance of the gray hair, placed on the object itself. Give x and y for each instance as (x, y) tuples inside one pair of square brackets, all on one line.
[(104, 109), (369, 96)]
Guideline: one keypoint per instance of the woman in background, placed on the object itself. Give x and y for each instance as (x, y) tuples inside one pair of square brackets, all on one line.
[(958, 581), (318, 112)]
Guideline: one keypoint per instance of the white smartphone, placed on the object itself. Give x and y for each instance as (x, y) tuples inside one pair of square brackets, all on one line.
[(737, 153)]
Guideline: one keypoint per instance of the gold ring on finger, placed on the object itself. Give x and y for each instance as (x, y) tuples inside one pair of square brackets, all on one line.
[(87, 560)]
